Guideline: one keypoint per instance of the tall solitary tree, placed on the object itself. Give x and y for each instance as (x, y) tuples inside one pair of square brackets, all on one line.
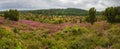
[(92, 15)]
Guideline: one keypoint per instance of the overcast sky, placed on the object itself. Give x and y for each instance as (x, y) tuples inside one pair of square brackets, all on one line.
[(41, 4)]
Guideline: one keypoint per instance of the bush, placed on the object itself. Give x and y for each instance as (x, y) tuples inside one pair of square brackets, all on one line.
[(112, 14), (4, 33), (87, 19), (15, 30), (117, 18), (116, 46), (12, 15), (8, 40), (76, 30)]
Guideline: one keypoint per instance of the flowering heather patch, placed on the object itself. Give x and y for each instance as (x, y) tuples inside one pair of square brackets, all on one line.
[(52, 28), (87, 25), (101, 25), (2, 20), (30, 25), (118, 24), (66, 24), (46, 34)]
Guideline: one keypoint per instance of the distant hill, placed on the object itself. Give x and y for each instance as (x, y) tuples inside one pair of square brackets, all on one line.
[(68, 11)]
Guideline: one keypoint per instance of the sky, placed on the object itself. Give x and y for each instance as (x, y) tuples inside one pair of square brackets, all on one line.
[(49, 4)]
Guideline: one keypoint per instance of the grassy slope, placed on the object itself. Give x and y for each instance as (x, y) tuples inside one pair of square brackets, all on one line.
[(27, 34)]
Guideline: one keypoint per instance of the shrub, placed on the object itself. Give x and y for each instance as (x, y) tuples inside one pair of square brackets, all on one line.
[(48, 43), (4, 33), (82, 43), (15, 30), (112, 14), (116, 46), (117, 18), (76, 30), (12, 15), (104, 42)]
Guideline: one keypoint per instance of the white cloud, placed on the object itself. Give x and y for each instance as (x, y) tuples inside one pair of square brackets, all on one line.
[(40, 4)]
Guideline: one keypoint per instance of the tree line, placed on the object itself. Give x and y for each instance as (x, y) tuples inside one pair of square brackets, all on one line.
[(66, 12), (111, 14)]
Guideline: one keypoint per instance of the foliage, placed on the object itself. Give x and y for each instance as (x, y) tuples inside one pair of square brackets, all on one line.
[(117, 18), (112, 14), (59, 32), (67, 12), (92, 15), (12, 15)]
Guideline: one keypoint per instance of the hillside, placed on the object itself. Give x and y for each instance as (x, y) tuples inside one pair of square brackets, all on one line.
[(32, 31), (28, 34), (68, 11)]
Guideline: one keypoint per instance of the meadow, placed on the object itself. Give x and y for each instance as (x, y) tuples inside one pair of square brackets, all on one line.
[(36, 31)]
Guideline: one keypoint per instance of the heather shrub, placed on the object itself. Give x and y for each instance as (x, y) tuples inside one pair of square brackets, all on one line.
[(48, 43), (4, 33), (8, 40), (76, 30), (114, 34), (101, 26), (45, 21), (64, 36), (101, 18), (60, 35), (112, 37), (104, 42), (32, 44), (116, 45), (27, 36), (84, 41), (15, 30)]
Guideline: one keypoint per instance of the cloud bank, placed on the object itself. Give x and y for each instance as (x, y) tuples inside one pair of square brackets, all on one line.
[(46, 4)]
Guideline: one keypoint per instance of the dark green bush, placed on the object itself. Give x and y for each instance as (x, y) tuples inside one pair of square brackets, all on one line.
[(117, 18), (112, 14), (15, 30), (12, 15)]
